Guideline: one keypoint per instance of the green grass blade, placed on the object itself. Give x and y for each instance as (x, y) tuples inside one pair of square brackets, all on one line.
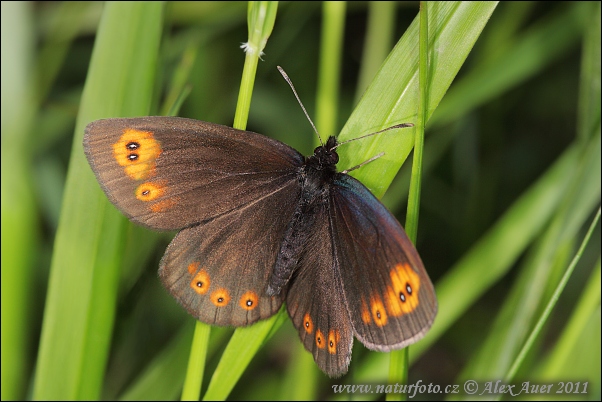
[(528, 296), (196, 362), (80, 305), (378, 42), (393, 96), (162, 377), (260, 19), (399, 363), (499, 247), (539, 325), (561, 362), (19, 210), (531, 52), (242, 347), (327, 101)]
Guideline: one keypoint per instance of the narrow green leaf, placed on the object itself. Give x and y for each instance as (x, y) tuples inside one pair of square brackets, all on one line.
[(327, 102), (393, 96), (378, 42), (162, 377), (240, 350), (78, 317), (19, 209), (538, 327)]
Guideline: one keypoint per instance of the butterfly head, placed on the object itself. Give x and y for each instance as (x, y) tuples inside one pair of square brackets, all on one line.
[(325, 157)]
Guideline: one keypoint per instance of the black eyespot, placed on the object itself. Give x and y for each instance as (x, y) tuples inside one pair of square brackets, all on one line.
[(130, 146), (132, 156), (402, 297), (199, 284), (408, 288), (220, 299), (378, 314), (249, 302)]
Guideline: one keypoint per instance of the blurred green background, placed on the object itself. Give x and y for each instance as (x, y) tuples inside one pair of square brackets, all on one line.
[(511, 182)]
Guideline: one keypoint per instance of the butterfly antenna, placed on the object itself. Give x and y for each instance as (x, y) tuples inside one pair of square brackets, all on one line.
[(290, 83), (402, 125), (363, 163)]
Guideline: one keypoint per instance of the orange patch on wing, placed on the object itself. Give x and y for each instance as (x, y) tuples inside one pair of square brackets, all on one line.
[(137, 152), (308, 324), (163, 205), (249, 300), (193, 267), (333, 340), (150, 191), (366, 315), (379, 313), (220, 297), (201, 281), (320, 341), (402, 294)]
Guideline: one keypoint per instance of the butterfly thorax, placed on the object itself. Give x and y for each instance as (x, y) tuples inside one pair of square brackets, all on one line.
[(315, 178)]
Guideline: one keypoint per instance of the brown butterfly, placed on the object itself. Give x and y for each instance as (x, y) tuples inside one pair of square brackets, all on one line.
[(261, 224)]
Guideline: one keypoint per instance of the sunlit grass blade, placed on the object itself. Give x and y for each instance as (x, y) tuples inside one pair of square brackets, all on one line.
[(393, 95), (20, 237), (378, 42), (329, 75), (260, 20), (87, 255), (532, 51), (243, 345)]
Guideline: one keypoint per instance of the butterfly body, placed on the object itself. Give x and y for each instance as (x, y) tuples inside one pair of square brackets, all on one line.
[(261, 225), (315, 178)]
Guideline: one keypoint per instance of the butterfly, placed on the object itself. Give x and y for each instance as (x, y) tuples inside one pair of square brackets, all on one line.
[(261, 225)]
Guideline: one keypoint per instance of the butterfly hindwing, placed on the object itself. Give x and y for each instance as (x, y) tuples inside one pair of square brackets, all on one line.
[(168, 173), (389, 296), (315, 301), (218, 270)]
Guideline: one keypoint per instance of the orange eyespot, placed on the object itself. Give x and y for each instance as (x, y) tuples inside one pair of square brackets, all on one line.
[(379, 313), (249, 300), (320, 342), (402, 295), (308, 324), (137, 152), (333, 340), (201, 281), (150, 191), (220, 297)]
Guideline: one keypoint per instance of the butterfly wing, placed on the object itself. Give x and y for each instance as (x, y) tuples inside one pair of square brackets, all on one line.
[(168, 173), (222, 186), (389, 296), (218, 270), (315, 301)]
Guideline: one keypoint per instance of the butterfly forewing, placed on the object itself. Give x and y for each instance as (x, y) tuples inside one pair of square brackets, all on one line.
[(389, 297), (169, 172), (315, 302)]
